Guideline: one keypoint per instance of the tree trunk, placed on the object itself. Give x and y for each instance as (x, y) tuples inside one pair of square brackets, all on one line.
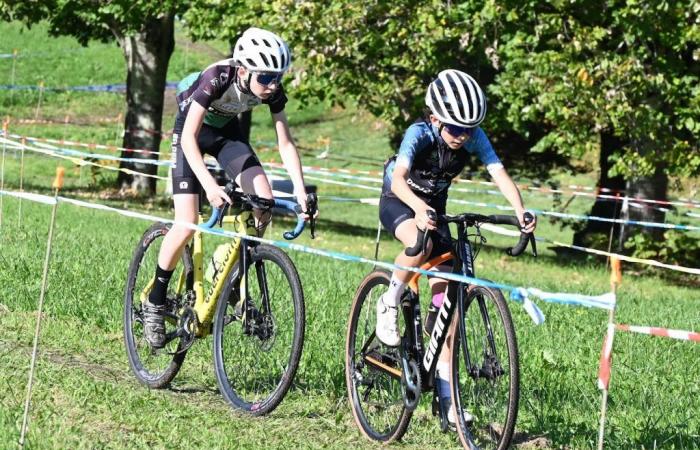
[(653, 187), (604, 207), (147, 55)]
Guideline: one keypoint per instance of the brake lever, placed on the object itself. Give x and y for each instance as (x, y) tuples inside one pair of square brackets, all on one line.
[(224, 210), (311, 208), (432, 215), (532, 243), (528, 218)]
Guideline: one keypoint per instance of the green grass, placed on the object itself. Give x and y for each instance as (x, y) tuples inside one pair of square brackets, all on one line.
[(86, 397)]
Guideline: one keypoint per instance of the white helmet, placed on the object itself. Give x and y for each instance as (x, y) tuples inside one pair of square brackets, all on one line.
[(454, 97), (262, 51)]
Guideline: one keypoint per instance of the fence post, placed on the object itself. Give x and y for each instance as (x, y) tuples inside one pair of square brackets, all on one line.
[(5, 126), (606, 352), (57, 184), (21, 181)]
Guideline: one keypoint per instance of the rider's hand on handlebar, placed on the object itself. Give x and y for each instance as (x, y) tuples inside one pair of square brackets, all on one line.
[(527, 227), (216, 195), (302, 201), (423, 221)]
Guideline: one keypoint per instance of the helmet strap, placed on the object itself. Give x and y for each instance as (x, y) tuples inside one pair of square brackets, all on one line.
[(245, 89)]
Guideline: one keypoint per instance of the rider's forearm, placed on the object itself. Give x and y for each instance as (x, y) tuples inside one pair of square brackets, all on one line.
[(292, 162), (403, 191), (509, 190)]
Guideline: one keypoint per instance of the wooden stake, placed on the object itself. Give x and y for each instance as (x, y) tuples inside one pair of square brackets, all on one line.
[(57, 185)]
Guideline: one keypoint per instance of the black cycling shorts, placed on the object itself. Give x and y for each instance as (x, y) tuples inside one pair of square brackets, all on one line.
[(226, 144), (393, 212)]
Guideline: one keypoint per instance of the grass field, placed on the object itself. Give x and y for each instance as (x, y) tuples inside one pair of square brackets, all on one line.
[(85, 396)]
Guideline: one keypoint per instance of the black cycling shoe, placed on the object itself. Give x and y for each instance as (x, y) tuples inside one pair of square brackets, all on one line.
[(154, 324), (430, 318)]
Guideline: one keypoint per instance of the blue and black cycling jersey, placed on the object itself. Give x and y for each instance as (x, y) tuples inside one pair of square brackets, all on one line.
[(432, 164)]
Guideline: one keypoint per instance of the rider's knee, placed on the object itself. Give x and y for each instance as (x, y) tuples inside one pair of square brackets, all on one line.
[(182, 233)]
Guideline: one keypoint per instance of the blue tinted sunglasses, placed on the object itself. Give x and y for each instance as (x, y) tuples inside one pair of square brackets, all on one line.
[(269, 78), (457, 131)]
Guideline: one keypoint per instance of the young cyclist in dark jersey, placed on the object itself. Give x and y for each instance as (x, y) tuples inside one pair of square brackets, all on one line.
[(209, 102), (432, 153)]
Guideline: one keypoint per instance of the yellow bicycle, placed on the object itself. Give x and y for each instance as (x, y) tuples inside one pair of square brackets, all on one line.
[(254, 308)]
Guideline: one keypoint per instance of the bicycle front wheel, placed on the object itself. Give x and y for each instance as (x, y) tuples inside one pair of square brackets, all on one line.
[(372, 370), (258, 342), (154, 368), (485, 370)]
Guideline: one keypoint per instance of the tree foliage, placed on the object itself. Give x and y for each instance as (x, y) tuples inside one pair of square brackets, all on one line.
[(583, 67), (381, 54), (145, 32), (86, 19)]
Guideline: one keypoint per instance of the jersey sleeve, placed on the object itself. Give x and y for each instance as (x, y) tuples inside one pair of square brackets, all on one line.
[(210, 85), (415, 139), (277, 102), (480, 145)]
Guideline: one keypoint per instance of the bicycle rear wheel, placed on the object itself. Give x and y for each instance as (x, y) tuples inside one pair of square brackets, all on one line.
[(258, 343), (372, 370), (485, 370), (154, 368)]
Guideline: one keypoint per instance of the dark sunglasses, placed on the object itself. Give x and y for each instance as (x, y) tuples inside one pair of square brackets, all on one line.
[(269, 78), (457, 131)]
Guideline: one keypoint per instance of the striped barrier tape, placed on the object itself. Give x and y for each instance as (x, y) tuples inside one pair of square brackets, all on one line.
[(331, 171), (375, 202), (534, 189), (662, 332), (377, 189), (317, 170), (113, 88), (93, 121), (82, 162), (79, 144), (67, 121), (537, 211), (68, 152), (518, 294), (507, 232), (605, 364)]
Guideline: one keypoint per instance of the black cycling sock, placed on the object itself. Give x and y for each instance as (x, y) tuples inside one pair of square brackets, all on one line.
[(160, 287)]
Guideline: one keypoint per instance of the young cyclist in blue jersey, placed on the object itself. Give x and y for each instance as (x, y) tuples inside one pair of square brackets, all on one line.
[(209, 102), (432, 153)]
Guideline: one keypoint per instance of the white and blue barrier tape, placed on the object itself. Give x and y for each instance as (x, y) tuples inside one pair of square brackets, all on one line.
[(518, 294)]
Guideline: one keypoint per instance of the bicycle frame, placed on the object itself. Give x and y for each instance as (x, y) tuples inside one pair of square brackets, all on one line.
[(463, 258), (205, 305)]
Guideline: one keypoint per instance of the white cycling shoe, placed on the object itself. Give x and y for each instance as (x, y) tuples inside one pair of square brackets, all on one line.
[(387, 323), (468, 418)]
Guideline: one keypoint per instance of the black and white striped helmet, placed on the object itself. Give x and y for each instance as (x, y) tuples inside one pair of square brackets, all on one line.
[(454, 97), (262, 51)]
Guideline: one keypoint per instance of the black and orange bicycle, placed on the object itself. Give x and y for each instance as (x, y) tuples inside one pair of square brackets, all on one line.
[(385, 384)]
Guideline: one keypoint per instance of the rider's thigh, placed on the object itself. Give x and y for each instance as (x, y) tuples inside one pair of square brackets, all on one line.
[(254, 181)]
